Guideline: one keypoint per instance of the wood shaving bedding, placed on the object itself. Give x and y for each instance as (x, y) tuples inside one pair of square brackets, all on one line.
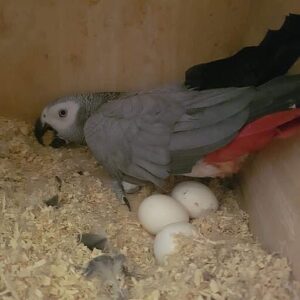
[(42, 259)]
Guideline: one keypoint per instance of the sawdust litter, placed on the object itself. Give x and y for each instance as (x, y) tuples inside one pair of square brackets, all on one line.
[(40, 257)]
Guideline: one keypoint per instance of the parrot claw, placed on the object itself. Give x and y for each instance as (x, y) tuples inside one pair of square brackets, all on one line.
[(126, 202), (118, 189)]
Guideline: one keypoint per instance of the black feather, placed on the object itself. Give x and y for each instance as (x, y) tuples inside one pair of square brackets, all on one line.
[(251, 66)]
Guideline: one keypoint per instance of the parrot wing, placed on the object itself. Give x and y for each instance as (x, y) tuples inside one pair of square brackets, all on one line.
[(220, 121), (149, 135), (208, 124), (130, 137)]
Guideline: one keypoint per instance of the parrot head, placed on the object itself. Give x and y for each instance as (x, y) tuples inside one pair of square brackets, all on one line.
[(67, 115)]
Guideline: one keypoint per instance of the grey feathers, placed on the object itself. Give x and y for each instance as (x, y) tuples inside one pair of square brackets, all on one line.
[(143, 135), (148, 135)]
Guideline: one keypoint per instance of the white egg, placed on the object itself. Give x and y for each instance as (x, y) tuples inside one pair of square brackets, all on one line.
[(196, 197), (165, 241), (158, 210)]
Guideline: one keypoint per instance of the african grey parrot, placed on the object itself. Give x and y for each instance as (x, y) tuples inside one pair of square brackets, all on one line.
[(146, 136)]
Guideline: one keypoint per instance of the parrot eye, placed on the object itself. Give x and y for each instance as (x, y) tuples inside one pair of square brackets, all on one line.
[(62, 113)]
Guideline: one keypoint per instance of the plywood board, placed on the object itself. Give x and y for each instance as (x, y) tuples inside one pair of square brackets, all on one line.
[(271, 189), (51, 48), (270, 182)]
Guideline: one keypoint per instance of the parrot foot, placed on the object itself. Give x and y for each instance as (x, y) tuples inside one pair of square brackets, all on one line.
[(118, 189), (130, 188)]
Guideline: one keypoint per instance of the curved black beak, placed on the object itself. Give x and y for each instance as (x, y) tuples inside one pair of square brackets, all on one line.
[(39, 131)]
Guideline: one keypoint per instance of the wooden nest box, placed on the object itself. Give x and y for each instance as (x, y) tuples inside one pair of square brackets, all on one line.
[(53, 48)]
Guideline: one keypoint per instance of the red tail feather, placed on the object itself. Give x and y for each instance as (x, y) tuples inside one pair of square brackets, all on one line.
[(258, 134)]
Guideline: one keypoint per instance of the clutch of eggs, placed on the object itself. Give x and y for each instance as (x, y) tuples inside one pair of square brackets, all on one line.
[(168, 216)]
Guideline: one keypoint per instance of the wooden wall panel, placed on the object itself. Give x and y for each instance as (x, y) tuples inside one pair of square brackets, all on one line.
[(271, 189), (50, 48), (270, 182)]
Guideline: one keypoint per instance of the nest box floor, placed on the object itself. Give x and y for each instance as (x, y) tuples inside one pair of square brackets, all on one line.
[(41, 257)]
